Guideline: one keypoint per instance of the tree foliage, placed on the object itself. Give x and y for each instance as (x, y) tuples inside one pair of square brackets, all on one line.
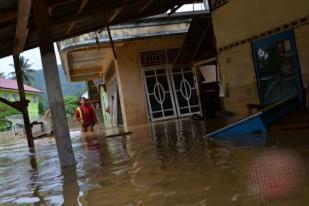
[(6, 111), (70, 105), (25, 69)]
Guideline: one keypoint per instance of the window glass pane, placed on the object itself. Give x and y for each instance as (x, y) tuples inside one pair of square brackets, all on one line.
[(277, 71)]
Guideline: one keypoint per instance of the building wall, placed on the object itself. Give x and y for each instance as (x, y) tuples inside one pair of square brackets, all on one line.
[(130, 79), (33, 107), (104, 100), (242, 19), (238, 74), (302, 41)]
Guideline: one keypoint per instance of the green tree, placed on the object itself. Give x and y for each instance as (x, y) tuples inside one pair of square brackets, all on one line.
[(6, 111), (70, 105), (25, 69)]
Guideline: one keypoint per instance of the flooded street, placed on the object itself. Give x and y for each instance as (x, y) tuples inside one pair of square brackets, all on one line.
[(168, 163)]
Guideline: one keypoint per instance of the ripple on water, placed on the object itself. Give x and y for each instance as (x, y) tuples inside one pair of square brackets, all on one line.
[(168, 163)]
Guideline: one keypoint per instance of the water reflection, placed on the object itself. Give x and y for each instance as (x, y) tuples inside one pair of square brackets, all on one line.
[(275, 174), (167, 163), (70, 187)]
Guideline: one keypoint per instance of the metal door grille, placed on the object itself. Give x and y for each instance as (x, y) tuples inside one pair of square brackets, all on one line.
[(159, 94), (185, 91), (170, 92)]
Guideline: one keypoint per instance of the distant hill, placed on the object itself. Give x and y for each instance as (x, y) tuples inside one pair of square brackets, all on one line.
[(68, 88)]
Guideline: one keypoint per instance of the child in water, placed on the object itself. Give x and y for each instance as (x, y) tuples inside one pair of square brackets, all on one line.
[(86, 116)]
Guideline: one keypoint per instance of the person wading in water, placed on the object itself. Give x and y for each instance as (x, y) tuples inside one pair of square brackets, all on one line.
[(86, 116)]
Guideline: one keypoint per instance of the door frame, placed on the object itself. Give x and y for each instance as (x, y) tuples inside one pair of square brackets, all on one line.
[(175, 92), (289, 34), (171, 92)]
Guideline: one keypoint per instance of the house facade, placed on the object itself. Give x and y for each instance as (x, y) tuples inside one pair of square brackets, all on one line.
[(262, 49), (9, 91), (139, 83)]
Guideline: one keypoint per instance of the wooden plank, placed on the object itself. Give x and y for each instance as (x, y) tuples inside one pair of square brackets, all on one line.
[(18, 105), (90, 70), (112, 5), (22, 95), (11, 15), (85, 77), (147, 4), (7, 16), (54, 92), (21, 33), (114, 15), (85, 55)]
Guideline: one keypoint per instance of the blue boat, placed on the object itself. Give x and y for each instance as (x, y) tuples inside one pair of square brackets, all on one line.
[(260, 121)]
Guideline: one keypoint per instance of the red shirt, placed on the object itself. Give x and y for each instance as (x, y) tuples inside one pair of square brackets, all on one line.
[(88, 115)]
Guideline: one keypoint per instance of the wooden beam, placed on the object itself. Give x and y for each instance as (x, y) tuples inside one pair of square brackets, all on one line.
[(99, 10), (22, 95), (85, 77), (83, 71), (12, 15), (83, 4), (18, 105), (114, 15), (21, 33), (147, 4), (7, 16), (52, 80)]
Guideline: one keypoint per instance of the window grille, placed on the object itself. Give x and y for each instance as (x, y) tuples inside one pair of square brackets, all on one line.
[(153, 58)]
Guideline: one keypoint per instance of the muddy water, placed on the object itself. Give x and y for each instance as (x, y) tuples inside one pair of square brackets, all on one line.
[(170, 163)]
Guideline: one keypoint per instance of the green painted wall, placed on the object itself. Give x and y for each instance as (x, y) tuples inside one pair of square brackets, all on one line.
[(33, 107), (104, 99)]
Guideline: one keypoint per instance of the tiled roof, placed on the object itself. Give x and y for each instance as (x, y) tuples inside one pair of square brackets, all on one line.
[(12, 85)]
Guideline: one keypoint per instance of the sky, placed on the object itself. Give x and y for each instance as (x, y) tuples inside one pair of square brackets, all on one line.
[(34, 57)]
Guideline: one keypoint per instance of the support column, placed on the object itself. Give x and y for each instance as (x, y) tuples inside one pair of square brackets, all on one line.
[(54, 92), (22, 97)]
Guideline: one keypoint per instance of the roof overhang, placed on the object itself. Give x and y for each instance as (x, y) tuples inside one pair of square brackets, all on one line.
[(69, 18), (85, 58)]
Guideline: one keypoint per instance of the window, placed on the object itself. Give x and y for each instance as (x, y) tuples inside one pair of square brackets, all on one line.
[(277, 68), (15, 97), (5, 95), (34, 99), (153, 58)]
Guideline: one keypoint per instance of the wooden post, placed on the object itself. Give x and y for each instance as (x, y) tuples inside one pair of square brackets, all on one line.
[(54, 92), (22, 97)]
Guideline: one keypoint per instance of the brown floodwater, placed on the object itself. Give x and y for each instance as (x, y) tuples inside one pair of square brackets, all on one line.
[(167, 163)]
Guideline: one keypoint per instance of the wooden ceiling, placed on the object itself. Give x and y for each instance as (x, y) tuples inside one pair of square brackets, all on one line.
[(70, 18)]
